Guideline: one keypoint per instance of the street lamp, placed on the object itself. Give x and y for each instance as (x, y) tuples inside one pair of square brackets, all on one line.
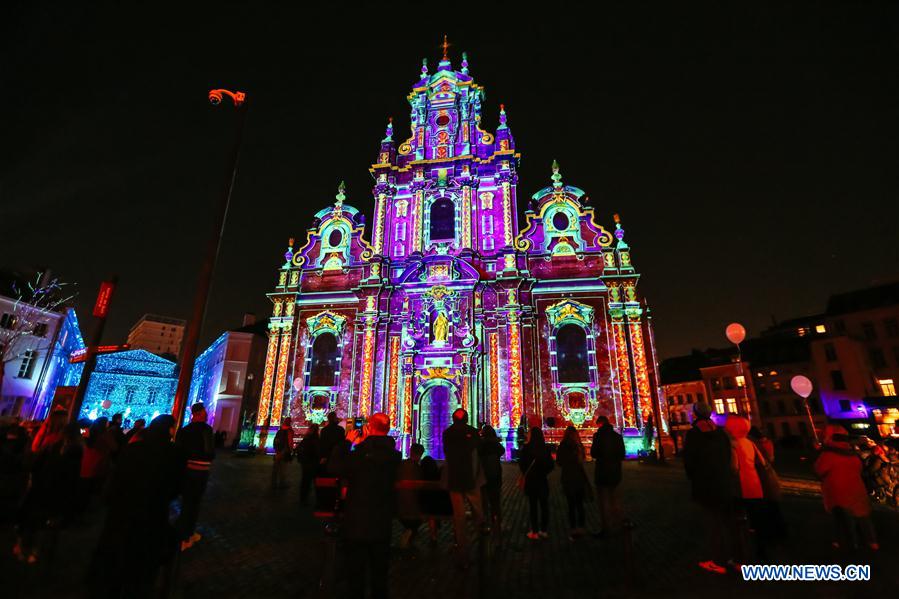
[(204, 282)]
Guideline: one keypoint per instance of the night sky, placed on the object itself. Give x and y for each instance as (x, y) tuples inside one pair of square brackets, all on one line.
[(752, 153)]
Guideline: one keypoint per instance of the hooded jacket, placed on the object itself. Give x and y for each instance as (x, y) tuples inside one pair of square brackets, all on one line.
[(743, 458), (840, 471)]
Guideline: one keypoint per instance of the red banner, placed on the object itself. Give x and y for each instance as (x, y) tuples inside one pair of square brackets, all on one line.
[(101, 307)]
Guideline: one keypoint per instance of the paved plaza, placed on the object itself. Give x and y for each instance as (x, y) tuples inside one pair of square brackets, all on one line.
[(259, 543)]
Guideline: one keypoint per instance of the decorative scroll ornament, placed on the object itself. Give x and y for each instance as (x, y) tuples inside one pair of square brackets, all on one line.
[(438, 292), (440, 372), (569, 311), (327, 320)]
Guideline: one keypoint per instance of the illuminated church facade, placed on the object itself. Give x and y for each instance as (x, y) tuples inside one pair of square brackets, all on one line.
[(453, 304)]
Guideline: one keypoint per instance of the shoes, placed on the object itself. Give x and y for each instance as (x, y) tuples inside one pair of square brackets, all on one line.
[(543, 534), (711, 566), (534, 536)]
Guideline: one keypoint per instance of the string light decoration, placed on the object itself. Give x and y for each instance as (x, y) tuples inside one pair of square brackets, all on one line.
[(135, 383), (394, 379)]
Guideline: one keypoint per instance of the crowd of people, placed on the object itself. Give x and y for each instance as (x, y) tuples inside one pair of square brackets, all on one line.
[(52, 479), (54, 476), (733, 480)]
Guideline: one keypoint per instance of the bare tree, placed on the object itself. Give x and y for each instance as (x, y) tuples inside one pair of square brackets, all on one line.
[(33, 301)]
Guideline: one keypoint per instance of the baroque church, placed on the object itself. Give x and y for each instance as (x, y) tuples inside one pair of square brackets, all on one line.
[(453, 303)]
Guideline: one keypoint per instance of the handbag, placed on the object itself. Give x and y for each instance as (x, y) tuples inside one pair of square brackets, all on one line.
[(768, 477)]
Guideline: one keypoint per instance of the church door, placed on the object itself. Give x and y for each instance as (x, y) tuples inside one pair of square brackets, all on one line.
[(434, 416)]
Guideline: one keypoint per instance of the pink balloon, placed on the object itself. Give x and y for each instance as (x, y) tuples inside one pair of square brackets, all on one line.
[(106, 404), (735, 333), (801, 385)]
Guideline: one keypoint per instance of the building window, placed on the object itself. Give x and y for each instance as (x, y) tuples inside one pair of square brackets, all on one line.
[(26, 368), (400, 231), (781, 407), (845, 406), (689, 398), (129, 394), (683, 417), (840, 326), (443, 220), (887, 388), (571, 355), (868, 331), (765, 408), (878, 360), (151, 396), (716, 384), (731, 405), (324, 361), (820, 329), (487, 226), (830, 352), (719, 406), (398, 250), (741, 381), (8, 321), (40, 329), (787, 431), (700, 398), (803, 429), (488, 245), (837, 381), (729, 382), (892, 327)]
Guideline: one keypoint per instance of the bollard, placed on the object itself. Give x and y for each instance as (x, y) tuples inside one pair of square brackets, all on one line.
[(628, 540), (327, 581)]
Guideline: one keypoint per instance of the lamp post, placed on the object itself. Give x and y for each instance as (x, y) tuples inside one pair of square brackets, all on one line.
[(204, 281)]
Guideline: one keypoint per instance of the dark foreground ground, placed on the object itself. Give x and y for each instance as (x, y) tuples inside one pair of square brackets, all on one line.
[(259, 543)]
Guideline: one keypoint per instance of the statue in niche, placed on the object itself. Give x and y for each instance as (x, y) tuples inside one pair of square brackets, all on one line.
[(440, 328)]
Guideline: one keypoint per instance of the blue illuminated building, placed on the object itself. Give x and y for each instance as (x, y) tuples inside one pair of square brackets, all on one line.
[(135, 383), (60, 372)]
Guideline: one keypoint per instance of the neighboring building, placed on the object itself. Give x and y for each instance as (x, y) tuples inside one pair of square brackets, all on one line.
[(682, 388), (135, 383), (871, 317), (157, 334), (34, 346), (452, 304), (227, 374)]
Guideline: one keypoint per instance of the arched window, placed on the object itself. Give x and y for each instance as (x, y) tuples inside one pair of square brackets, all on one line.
[(324, 361), (571, 354), (443, 220)]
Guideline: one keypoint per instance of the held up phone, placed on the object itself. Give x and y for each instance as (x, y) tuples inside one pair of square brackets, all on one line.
[(359, 423)]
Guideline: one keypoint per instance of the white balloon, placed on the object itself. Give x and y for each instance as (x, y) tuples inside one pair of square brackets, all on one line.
[(801, 385), (735, 333)]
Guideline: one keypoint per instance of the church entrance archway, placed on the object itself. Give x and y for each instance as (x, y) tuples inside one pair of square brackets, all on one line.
[(436, 402)]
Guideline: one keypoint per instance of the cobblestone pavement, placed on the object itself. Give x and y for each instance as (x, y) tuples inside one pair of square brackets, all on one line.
[(259, 543)]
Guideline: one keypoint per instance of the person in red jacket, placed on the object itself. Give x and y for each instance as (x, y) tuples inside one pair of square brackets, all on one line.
[(843, 489)]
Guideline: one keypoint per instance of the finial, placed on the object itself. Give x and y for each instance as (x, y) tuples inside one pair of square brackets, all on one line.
[(465, 62), (619, 232), (557, 176), (424, 67), (288, 255), (445, 48), (502, 117), (388, 135), (340, 194)]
